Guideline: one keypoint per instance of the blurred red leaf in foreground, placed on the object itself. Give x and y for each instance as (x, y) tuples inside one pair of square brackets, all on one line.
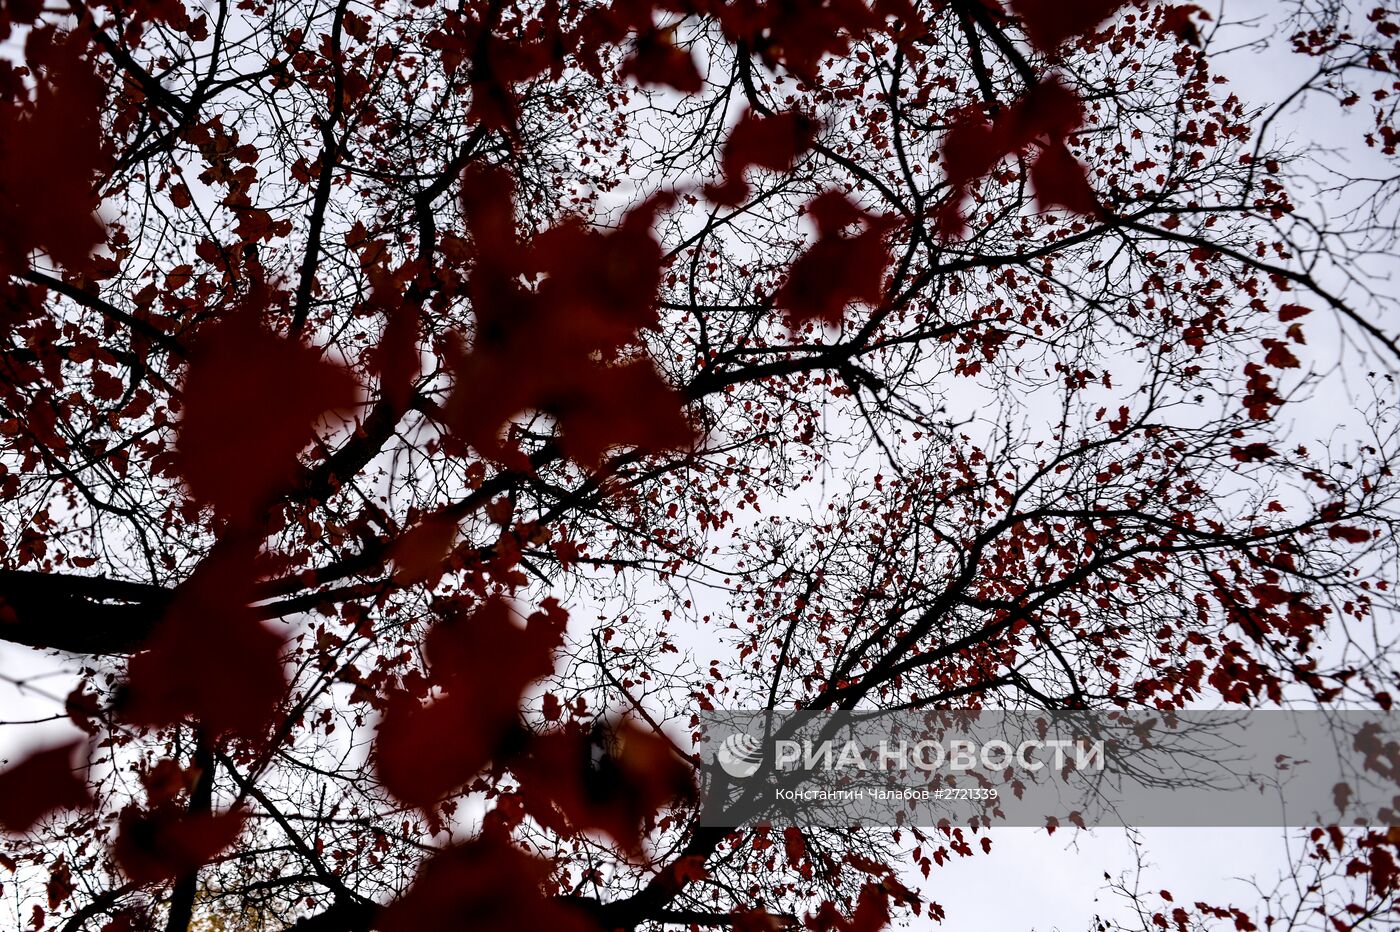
[(43, 782), (51, 149), (487, 885), (772, 142), (576, 780), (482, 661), (872, 914), (209, 647), (1050, 22), (657, 60), (560, 349), (167, 842), (1047, 114), (251, 401), (837, 270)]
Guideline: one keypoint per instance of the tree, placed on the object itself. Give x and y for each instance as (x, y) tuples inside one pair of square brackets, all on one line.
[(410, 409)]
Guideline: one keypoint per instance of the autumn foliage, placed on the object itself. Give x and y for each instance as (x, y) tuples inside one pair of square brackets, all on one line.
[(411, 415)]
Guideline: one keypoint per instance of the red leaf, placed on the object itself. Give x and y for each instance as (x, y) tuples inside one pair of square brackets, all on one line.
[(799, 34), (1253, 453), (833, 212), (484, 662), (1260, 395), (41, 783), (498, 62), (398, 360), (1291, 312), (488, 204), (1341, 797), (771, 142), (251, 401), (970, 150), (166, 780), (83, 708), (575, 781), (1049, 111), (60, 884), (486, 885), (1177, 21), (209, 647), (627, 405), (656, 60), (795, 844), (837, 270), (493, 105), (50, 152), (872, 914), (1060, 181), (1279, 355), (414, 757), (487, 653), (1352, 535), (973, 147), (556, 350), (1050, 22), (601, 288), (418, 555), (168, 842)]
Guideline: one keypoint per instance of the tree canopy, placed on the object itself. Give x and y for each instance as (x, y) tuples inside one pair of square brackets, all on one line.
[(413, 414)]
